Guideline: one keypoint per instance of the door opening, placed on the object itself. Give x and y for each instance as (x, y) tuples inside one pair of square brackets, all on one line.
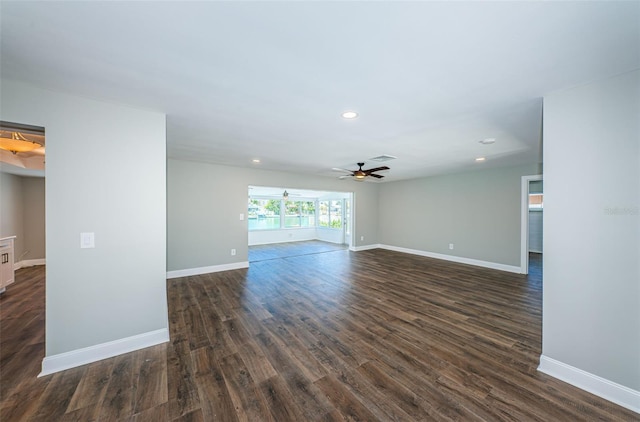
[(529, 185), (291, 221)]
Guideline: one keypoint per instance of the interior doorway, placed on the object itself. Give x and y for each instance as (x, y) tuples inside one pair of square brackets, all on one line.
[(531, 222), (292, 221), (23, 205)]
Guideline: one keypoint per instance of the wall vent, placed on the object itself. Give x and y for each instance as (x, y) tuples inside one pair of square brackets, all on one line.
[(383, 157)]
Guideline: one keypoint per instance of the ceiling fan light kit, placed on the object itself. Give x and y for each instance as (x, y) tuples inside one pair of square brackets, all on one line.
[(360, 174)]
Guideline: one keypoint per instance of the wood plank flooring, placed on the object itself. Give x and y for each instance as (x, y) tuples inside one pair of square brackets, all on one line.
[(368, 336)]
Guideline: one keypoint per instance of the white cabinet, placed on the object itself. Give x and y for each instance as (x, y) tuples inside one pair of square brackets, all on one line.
[(6, 262)]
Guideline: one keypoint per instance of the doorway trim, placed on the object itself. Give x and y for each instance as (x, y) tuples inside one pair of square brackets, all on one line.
[(524, 221)]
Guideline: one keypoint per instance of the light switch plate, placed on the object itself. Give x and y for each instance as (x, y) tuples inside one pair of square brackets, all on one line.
[(87, 240)]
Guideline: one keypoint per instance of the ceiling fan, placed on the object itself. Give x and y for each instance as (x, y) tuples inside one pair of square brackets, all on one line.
[(361, 174)]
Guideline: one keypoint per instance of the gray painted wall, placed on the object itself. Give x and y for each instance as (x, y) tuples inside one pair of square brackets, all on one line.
[(34, 217), (479, 212), (591, 305), (11, 211), (536, 224), (114, 186), (536, 186), (22, 214), (205, 201)]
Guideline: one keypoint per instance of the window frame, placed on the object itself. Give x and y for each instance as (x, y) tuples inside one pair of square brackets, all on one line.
[(282, 225)]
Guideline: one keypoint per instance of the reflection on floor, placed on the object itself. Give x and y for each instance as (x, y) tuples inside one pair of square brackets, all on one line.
[(290, 249)]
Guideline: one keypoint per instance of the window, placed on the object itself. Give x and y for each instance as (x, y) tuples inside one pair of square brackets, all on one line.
[(335, 215), (292, 214), (299, 214), (323, 215), (330, 214), (263, 214), (307, 214)]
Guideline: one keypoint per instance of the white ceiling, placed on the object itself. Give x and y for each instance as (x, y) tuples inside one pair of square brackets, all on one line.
[(268, 80)]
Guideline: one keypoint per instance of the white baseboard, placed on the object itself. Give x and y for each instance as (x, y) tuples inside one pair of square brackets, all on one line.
[(67, 360), (608, 390), (458, 259), (206, 270), (364, 247), (29, 263)]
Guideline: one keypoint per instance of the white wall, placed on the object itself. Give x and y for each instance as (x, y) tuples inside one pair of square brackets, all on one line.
[(265, 237), (330, 235), (591, 312), (106, 173), (205, 201), (479, 212)]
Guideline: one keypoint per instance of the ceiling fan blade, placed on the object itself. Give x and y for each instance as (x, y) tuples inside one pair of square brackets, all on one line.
[(376, 169), (344, 170), (377, 176)]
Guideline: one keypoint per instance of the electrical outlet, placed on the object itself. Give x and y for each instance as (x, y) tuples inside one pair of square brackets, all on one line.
[(233, 251), (451, 246), (361, 237)]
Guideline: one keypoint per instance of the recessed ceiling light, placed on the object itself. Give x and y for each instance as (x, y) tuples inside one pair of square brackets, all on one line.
[(349, 115), (480, 159), (488, 141), (255, 160)]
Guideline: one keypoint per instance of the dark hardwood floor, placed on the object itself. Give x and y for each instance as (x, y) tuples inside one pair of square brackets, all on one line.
[(367, 336)]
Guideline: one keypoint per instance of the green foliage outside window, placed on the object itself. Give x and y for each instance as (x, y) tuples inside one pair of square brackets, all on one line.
[(273, 206)]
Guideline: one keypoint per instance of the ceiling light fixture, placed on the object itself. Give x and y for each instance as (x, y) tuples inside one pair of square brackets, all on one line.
[(16, 142), (255, 160), (349, 115), (285, 195), (480, 159)]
